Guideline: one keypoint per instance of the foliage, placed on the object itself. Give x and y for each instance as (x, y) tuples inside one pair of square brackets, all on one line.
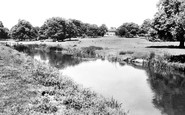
[(92, 30), (23, 31), (59, 29), (128, 30), (145, 27), (54, 28), (79, 27), (4, 32), (30, 87), (102, 30), (169, 20)]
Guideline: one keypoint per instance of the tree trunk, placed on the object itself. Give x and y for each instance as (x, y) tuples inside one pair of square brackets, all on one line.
[(181, 45)]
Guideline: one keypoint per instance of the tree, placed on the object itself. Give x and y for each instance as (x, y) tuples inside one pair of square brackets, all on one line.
[(145, 27), (102, 30), (4, 32), (58, 28), (1, 24), (169, 21), (92, 30), (23, 30), (71, 29), (78, 27), (128, 30)]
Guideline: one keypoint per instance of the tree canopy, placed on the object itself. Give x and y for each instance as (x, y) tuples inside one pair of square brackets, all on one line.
[(4, 32), (128, 30), (59, 28), (102, 30), (23, 30), (169, 21), (145, 27)]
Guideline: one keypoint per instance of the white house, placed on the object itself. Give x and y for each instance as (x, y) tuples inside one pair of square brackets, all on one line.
[(111, 32)]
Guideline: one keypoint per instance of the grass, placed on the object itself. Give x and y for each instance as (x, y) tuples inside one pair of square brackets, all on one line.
[(84, 52), (125, 52), (29, 87), (165, 64)]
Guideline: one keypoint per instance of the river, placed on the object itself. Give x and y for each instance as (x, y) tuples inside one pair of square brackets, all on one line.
[(136, 89)]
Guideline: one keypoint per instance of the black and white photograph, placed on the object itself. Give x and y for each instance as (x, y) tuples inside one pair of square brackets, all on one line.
[(92, 57)]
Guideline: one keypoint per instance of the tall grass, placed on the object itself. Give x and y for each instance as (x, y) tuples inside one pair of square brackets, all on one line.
[(161, 64), (29, 87)]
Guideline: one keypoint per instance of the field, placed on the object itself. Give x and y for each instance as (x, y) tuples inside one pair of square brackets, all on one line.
[(138, 47), (28, 86)]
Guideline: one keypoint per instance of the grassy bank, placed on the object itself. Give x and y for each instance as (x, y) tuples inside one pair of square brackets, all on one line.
[(29, 87)]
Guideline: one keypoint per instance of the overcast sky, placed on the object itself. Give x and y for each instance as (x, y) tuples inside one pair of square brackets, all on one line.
[(110, 12)]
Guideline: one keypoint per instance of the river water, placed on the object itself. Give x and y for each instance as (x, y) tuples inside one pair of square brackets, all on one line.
[(133, 87)]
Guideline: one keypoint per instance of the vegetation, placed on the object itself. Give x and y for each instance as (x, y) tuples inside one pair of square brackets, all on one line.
[(145, 28), (60, 29), (4, 32), (128, 30), (169, 20), (169, 90), (23, 31), (29, 87), (56, 28)]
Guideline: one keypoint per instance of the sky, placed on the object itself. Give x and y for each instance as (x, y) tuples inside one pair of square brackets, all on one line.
[(113, 13)]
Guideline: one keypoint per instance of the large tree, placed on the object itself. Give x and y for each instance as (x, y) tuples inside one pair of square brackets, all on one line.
[(145, 27), (23, 30), (128, 30), (58, 28), (4, 32), (78, 27), (169, 21), (102, 30), (71, 29)]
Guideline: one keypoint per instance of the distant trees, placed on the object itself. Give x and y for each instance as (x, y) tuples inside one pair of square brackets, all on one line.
[(169, 21), (55, 28), (23, 31), (60, 29), (92, 30), (128, 30), (4, 32), (102, 30), (79, 27), (145, 27)]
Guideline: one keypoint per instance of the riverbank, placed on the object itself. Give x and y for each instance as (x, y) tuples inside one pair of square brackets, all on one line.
[(30, 87), (122, 48), (111, 48)]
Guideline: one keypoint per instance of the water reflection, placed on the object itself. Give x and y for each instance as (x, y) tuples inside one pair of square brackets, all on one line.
[(126, 84), (143, 92), (169, 92), (55, 59)]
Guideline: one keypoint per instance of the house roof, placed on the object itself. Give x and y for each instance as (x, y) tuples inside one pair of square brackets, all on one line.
[(112, 30)]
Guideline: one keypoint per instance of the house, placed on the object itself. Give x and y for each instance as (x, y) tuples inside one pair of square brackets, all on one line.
[(111, 32)]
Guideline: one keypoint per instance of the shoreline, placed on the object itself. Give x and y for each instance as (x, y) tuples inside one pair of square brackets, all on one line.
[(40, 89)]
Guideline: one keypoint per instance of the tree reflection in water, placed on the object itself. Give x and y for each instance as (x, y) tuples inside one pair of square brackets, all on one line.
[(56, 59), (169, 91), (168, 86)]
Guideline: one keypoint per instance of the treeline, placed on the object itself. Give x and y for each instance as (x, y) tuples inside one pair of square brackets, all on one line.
[(168, 24), (55, 28)]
